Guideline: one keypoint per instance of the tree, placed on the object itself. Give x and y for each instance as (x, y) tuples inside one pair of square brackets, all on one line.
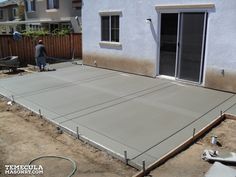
[(21, 9)]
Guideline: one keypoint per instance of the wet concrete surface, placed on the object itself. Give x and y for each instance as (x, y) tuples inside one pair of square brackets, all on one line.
[(117, 111)]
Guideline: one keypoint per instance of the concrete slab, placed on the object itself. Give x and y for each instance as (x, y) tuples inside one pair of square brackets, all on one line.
[(219, 170), (21, 85), (120, 112), (145, 116), (80, 73), (232, 108)]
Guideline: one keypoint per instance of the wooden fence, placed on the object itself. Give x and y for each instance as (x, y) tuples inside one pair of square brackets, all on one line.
[(62, 47)]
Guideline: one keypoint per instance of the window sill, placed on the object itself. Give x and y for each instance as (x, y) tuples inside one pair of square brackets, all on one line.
[(111, 12), (110, 44), (186, 6), (33, 11), (51, 10)]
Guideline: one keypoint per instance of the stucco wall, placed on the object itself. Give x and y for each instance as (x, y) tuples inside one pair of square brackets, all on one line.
[(5, 15), (220, 70), (140, 40), (65, 10), (138, 51)]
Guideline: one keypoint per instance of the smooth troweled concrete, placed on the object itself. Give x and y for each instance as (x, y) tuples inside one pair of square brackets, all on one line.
[(219, 170), (120, 112)]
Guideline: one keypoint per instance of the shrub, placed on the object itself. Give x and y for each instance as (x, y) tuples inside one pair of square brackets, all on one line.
[(38, 33)]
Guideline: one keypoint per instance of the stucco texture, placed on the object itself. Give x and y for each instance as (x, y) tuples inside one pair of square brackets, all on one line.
[(140, 40)]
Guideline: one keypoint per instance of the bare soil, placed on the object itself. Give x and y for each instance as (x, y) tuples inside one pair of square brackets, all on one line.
[(25, 136), (189, 162), (7, 73), (20, 72)]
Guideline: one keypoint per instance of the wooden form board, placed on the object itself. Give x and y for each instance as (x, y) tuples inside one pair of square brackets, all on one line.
[(185, 144)]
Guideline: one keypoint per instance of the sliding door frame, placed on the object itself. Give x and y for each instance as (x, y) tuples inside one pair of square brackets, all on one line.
[(177, 64)]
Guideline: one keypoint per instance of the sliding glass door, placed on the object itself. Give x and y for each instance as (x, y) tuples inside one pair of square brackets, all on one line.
[(191, 46), (169, 28), (182, 45)]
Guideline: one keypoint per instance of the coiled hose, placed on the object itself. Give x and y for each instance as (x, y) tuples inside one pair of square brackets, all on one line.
[(59, 157)]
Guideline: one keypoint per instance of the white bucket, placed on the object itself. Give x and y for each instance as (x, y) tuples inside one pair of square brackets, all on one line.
[(213, 139)]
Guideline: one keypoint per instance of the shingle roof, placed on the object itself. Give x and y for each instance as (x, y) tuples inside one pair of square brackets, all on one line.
[(8, 3)]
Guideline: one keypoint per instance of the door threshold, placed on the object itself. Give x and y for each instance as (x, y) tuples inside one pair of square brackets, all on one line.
[(166, 77), (180, 81)]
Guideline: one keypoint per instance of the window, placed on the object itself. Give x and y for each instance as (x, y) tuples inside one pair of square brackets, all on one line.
[(52, 4), (77, 4), (110, 27), (1, 14), (30, 5), (14, 12)]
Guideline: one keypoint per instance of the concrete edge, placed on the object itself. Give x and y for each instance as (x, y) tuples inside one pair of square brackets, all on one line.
[(100, 147), (120, 157), (83, 138), (185, 144)]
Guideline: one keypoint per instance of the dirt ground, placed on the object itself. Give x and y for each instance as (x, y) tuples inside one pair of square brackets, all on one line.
[(25, 136), (189, 163), (20, 72)]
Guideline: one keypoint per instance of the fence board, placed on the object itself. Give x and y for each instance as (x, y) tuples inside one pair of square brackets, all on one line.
[(61, 47)]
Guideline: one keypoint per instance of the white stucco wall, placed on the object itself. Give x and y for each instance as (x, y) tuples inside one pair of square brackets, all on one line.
[(222, 35), (133, 28), (136, 37), (140, 40), (220, 47)]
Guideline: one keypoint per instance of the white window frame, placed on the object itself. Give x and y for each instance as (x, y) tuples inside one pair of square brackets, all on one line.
[(181, 8), (14, 12), (51, 5), (29, 6), (110, 13)]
